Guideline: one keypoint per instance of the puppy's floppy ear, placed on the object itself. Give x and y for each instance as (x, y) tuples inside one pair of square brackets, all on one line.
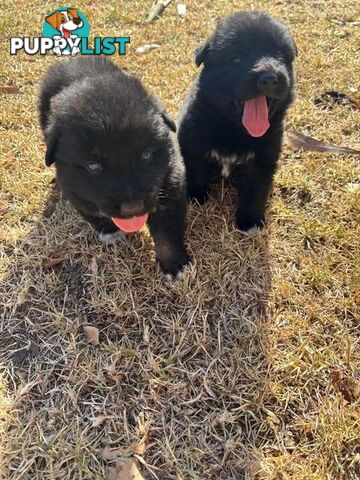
[(201, 53), (53, 20), (52, 141), (168, 121), (292, 41)]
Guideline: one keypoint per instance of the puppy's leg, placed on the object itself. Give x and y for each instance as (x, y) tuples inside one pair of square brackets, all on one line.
[(253, 185), (198, 173), (195, 149), (105, 228), (167, 227)]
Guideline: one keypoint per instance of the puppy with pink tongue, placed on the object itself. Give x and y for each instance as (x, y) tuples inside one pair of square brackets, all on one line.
[(231, 123), (115, 153)]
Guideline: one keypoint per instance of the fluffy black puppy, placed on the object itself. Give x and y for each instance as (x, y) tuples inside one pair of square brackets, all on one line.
[(115, 156), (232, 120)]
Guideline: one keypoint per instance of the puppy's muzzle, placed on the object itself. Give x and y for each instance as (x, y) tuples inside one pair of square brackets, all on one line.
[(128, 209), (271, 79), (132, 209), (121, 208), (267, 82)]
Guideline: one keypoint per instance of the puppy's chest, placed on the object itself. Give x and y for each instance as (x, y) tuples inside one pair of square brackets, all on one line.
[(229, 162)]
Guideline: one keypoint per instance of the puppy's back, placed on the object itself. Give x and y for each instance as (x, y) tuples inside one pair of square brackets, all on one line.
[(64, 73)]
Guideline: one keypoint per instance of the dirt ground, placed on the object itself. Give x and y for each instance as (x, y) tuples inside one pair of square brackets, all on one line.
[(249, 366)]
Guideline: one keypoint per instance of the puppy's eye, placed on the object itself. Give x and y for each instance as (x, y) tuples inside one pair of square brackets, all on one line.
[(147, 155), (93, 167), (236, 60)]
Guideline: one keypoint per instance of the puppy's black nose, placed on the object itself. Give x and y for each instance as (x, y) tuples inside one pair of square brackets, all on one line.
[(267, 82), (132, 209), (77, 20)]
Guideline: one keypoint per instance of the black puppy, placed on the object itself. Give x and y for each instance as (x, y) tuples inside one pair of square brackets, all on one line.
[(116, 160), (232, 121)]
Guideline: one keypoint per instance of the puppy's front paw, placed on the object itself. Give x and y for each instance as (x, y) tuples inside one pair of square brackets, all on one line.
[(173, 267), (111, 238), (250, 225)]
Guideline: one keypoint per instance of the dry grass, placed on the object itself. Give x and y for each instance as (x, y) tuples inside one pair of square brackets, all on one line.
[(228, 373)]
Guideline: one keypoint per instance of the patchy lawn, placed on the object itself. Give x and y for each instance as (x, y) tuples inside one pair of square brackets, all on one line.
[(248, 367)]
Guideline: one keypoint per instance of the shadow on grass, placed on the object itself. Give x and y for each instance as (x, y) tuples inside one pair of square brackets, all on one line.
[(182, 365)]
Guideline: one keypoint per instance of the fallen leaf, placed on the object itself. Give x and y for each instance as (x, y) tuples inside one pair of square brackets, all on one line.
[(9, 89), (346, 22), (147, 48), (136, 448), (157, 10), (299, 141), (127, 469), (349, 387), (126, 459), (91, 334), (53, 262)]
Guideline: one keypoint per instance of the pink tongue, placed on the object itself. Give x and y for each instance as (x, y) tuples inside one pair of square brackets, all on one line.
[(66, 33), (130, 224), (255, 117)]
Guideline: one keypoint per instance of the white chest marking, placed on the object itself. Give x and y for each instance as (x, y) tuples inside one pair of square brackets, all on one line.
[(229, 162)]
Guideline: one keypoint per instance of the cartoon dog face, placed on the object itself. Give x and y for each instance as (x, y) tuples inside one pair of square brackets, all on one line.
[(65, 21)]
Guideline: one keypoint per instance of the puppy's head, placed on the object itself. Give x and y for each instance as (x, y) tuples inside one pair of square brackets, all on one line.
[(111, 144), (248, 73)]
